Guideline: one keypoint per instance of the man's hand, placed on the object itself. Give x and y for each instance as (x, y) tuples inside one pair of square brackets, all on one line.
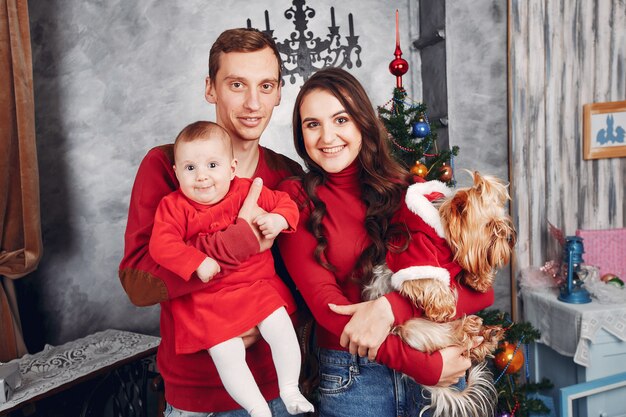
[(368, 328), (250, 210), (208, 269)]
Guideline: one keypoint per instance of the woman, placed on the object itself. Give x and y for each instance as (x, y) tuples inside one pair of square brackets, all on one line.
[(348, 199)]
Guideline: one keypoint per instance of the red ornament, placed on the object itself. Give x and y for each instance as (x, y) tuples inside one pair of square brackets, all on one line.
[(445, 172), (398, 66), (612, 279), (505, 357)]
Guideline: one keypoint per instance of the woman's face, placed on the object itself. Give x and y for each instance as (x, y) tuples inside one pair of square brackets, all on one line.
[(331, 138)]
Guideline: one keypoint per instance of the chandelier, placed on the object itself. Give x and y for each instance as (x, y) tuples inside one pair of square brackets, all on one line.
[(303, 54)]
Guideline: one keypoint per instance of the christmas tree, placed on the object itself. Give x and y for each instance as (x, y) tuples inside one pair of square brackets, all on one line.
[(413, 139), (516, 395)]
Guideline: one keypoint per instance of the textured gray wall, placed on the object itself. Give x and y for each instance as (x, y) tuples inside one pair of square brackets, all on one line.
[(476, 38), (113, 79)]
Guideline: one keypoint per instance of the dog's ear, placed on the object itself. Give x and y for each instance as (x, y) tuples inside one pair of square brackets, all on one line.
[(453, 213), (479, 182), (503, 239), (458, 203)]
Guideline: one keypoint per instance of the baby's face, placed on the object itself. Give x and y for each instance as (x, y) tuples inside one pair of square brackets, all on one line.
[(204, 169)]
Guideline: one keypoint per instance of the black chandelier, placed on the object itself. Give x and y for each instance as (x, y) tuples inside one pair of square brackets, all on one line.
[(303, 54)]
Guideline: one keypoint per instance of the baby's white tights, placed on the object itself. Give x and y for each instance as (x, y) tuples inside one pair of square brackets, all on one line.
[(230, 361)]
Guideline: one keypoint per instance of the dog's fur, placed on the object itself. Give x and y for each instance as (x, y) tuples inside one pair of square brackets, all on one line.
[(479, 397), (481, 237)]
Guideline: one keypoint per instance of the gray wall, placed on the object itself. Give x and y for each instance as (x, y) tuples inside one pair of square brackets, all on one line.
[(114, 78), (476, 39)]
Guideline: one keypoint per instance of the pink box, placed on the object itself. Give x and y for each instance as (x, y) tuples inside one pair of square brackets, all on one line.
[(605, 249)]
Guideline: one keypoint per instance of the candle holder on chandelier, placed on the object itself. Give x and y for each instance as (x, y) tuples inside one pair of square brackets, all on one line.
[(303, 53)]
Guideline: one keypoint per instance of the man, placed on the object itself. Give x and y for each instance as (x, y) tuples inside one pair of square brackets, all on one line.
[(244, 85)]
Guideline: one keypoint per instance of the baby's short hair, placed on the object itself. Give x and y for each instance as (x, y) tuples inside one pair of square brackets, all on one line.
[(203, 130)]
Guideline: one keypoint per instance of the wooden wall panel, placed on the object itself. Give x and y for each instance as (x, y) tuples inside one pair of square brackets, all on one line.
[(562, 55)]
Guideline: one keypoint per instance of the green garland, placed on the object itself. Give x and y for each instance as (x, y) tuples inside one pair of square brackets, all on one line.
[(515, 331)]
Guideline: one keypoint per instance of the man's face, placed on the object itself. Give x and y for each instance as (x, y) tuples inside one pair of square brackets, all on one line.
[(245, 91)]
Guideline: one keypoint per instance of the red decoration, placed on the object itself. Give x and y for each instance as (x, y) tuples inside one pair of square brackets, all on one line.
[(613, 280), (445, 172), (398, 66), (505, 359)]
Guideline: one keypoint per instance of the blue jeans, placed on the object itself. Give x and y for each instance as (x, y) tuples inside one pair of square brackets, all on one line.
[(351, 386), (276, 405)]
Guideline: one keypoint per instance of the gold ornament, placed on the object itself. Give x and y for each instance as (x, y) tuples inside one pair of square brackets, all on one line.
[(502, 358), (419, 169), (445, 172)]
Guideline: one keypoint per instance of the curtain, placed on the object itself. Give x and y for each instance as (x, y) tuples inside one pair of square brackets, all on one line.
[(20, 224)]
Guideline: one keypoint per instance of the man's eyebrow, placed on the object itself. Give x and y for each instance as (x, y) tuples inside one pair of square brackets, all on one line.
[(234, 77)]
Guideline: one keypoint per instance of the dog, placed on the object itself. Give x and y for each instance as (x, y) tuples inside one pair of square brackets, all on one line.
[(464, 235)]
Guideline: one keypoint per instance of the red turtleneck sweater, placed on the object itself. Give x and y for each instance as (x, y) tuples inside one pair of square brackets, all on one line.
[(344, 228)]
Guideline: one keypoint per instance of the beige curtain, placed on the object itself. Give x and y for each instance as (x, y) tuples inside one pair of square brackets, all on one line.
[(20, 225)]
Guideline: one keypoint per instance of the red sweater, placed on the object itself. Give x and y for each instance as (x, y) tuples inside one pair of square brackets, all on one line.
[(235, 300), (344, 229), (191, 380)]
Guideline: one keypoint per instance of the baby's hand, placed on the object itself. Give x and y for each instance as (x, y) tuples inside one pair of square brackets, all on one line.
[(208, 269), (270, 224)]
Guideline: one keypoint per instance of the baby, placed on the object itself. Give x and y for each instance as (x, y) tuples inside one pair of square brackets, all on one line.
[(235, 300)]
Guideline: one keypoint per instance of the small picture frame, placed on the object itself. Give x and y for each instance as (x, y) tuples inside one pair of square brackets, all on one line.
[(604, 130)]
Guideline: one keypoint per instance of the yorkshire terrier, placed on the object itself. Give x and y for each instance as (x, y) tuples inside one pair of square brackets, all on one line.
[(468, 235)]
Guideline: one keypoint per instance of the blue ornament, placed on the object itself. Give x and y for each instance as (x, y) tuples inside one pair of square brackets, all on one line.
[(421, 128)]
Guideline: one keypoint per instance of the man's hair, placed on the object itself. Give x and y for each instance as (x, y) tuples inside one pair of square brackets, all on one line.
[(240, 40), (203, 130)]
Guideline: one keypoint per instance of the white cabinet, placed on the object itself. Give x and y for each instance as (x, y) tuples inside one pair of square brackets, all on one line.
[(579, 343)]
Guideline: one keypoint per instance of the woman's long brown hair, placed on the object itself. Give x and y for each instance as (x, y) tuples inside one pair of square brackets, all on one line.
[(383, 180)]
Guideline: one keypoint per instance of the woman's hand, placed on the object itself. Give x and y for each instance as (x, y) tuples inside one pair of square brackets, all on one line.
[(368, 328), (456, 362)]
